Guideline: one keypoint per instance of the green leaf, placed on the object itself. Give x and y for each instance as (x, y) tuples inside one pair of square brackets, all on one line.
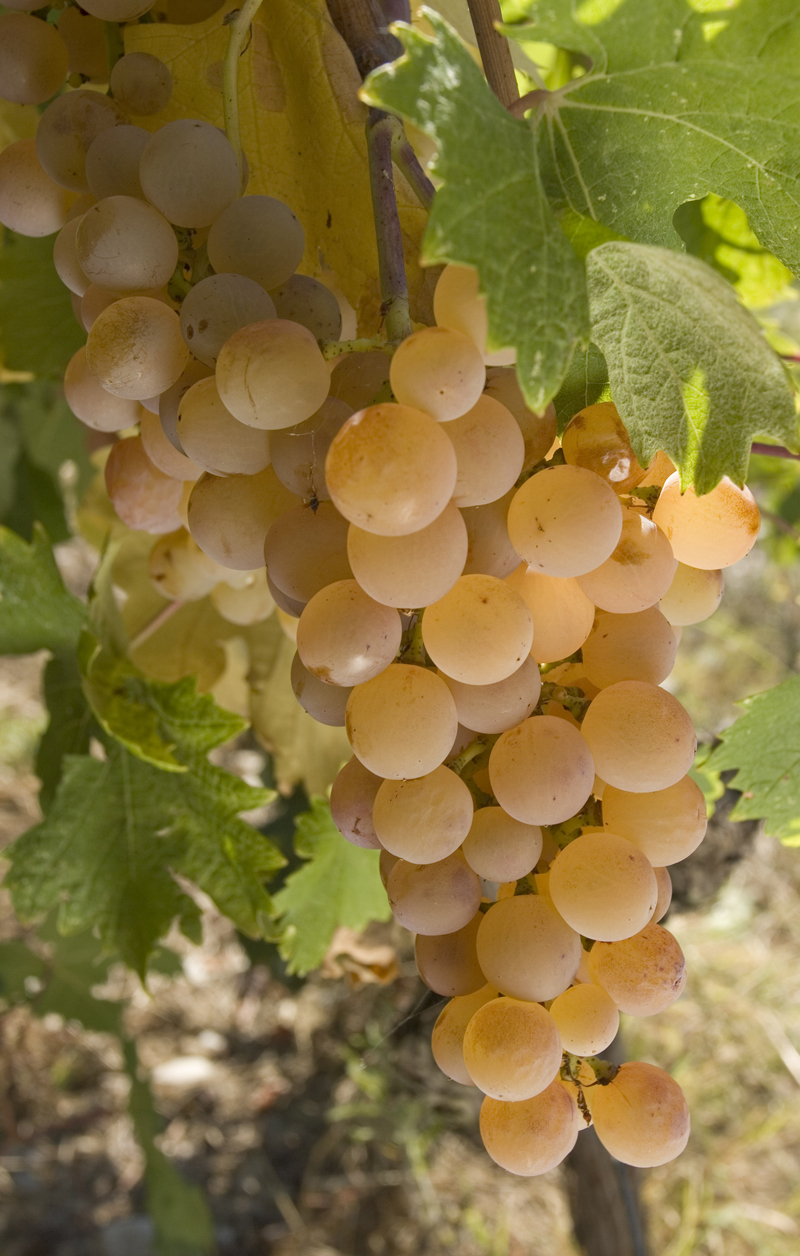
[(690, 370), (585, 384), (614, 35), (764, 748), (554, 22), (38, 330), (49, 430), (70, 727), (10, 443), (490, 211), (37, 499), (708, 780), (36, 611), (75, 965), (17, 964), (339, 885)]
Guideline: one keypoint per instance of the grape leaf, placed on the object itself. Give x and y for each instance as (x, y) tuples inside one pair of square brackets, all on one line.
[(36, 611), (71, 724), (615, 36), (17, 965), (74, 965), (690, 370), (585, 384), (764, 748), (38, 330), (339, 885), (490, 211)]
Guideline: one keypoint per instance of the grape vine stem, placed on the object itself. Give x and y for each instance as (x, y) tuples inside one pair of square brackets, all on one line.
[(495, 52), (773, 451), (239, 21)]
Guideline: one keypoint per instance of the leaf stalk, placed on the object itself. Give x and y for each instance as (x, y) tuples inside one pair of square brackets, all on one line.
[(239, 21)]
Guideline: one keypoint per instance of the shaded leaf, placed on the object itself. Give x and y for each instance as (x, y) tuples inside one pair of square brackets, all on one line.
[(585, 384), (36, 610), (38, 331), (71, 724)]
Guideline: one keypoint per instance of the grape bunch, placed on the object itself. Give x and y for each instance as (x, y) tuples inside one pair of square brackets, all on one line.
[(489, 612)]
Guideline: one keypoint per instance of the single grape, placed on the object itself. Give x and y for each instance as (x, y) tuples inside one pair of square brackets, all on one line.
[(712, 531), (250, 603), (162, 453), (423, 820), (562, 614), (533, 1136), (565, 521), (526, 949), (112, 162), (439, 371), (497, 707), (217, 307), (271, 374), (587, 1019), (412, 570), (490, 451), (694, 595), (489, 552), (213, 438), (402, 723), (352, 801), (31, 203), (91, 403), (603, 886), (538, 430), (448, 963), (33, 59), (290, 607), (512, 1049), (65, 258), (179, 569), (638, 572), (597, 440), (643, 974), (667, 824), (641, 738), (664, 881), (642, 1116), (447, 1039), (260, 237), (324, 703), (434, 898), (141, 83), (190, 173), (357, 378), (144, 498), (299, 453), (308, 302), (458, 304), (500, 848), (346, 638), (135, 348), (541, 771), (641, 646), (306, 550), (478, 633), (169, 401), (65, 133), (230, 516), (126, 246)]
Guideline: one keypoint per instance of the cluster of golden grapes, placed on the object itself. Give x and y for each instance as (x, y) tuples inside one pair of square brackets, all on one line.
[(489, 612)]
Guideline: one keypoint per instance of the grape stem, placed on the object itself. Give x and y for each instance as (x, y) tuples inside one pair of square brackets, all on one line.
[(239, 21), (773, 451), (388, 232), (115, 44), (407, 163), (332, 349), (161, 618), (469, 753), (495, 52)]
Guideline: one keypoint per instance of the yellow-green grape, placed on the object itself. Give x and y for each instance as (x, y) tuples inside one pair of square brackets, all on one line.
[(667, 824), (217, 307), (31, 203), (458, 304), (135, 348), (512, 1049), (85, 38), (413, 570), (526, 949), (112, 162), (346, 638), (538, 430), (542, 771), (169, 401), (66, 130), (448, 963), (179, 569), (272, 374), (357, 378), (126, 246), (423, 820), (587, 1019), (694, 594), (352, 800), (298, 453), (641, 646), (141, 83), (637, 573), (664, 881), (643, 974), (230, 516), (260, 237), (306, 550), (489, 549), (434, 898), (304, 300), (391, 469), (93, 302), (190, 172), (33, 59), (91, 403), (213, 438), (497, 707), (500, 848), (324, 703), (565, 521), (162, 453), (144, 498), (385, 864), (65, 258), (245, 604), (642, 1116), (478, 633), (533, 1136), (641, 738), (438, 370), (712, 531), (490, 451), (447, 1039), (403, 723), (603, 886), (562, 613), (597, 440)]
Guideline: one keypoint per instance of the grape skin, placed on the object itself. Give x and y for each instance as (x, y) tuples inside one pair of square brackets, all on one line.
[(637, 573), (448, 962), (643, 974), (490, 452), (425, 819), (527, 950), (640, 646), (497, 707), (533, 1136), (562, 613), (480, 632), (271, 374), (144, 498), (603, 886), (230, 516), (402, 723), (447, 1039), (352, 801), (666, 824), (641, 737), (135, 348), (499, 848), (587, 1019), (31, 202), (712, 531), (33, 59), (565, 521), (324, 703), (346, 638), (542, 771), (512, 1049), (438, 370), (434, 898), (641, 1116)]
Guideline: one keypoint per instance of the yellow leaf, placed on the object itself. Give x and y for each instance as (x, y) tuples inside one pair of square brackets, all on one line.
[(302, 129), (17, 122)]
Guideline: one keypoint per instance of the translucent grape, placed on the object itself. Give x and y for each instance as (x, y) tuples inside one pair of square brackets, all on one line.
[(587, 1019), (440, 371), (308, 302), (144, 498), (643, 974), (162, 453), (412, 570), (65, 258), (489, 452), (289, 606), (693, 596), (642, 1116), (260, 237), (66, 130), (565, 521), (512, 1050), (667, 824), (526, 950), (86, 44), (385, 864), (89, 401), (448, 963), (638, 572), (603, 886), (30, 201), (562, 613), (447, 1039), (500, 848), (352, 800), (533, 1136), (434, 898), (112, 162), (641, 737), (190, 173), (178, 568), (33, 59), (324, 703), (402, 724), (230, 516), (664, 881), (712, 531), (299, 453), (497, 707), (542, 771), (346, 638), (458, 304), (478, 633), (217, 307), (214, 439), (490, 551), (423, 820), (597, 440), (641, 646), (169, 401), (272, 374), (117, 10), (126, 246), (538, 430), (306, 550), (391, 470), (135, 348), (250, 603), (93, 302), (357, 378), (141, 83)]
